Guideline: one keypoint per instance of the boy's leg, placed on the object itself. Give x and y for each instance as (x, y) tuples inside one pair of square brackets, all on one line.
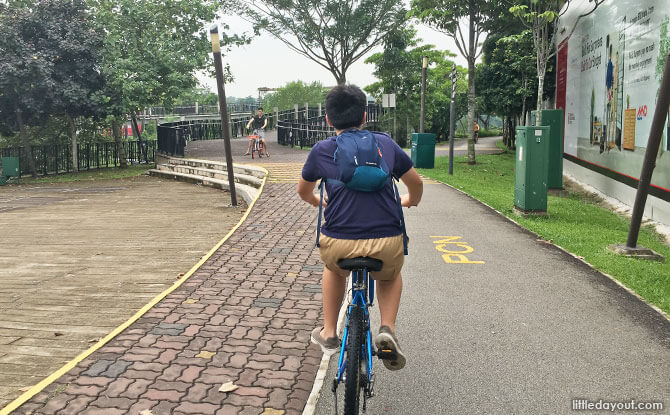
[(333, 287), (388, 295)]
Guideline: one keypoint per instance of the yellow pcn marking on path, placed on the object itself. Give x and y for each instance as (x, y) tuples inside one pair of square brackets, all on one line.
[(454, 249)]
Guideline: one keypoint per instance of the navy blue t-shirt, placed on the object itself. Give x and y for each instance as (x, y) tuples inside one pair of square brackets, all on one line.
[(351, 214)]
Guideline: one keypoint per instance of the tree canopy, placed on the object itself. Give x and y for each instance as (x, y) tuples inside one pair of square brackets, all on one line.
[(334, 34), (396, 69), (296, 92), (541, 18), (448, 16)]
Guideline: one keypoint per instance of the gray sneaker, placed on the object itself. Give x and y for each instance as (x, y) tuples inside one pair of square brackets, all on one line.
[(386, 340), (328, 346)]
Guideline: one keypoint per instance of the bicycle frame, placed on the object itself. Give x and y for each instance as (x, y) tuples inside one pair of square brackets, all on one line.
[(255, 143), (362, 289)]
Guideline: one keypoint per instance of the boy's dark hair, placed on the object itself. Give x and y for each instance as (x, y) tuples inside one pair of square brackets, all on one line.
[(345, 106), (259, 109)]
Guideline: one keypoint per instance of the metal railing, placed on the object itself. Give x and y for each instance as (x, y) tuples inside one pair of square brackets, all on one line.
[(54, 159), (200, 109), (303, 127), (307, 131), (173, 136)]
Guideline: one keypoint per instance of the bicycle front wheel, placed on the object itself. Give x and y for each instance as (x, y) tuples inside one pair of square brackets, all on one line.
[(352, 386)]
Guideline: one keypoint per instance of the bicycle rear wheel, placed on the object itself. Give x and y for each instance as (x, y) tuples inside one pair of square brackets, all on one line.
[(352, 386), (253, 149)]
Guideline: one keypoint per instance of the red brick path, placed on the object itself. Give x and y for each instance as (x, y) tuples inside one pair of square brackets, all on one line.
[(244, 317)]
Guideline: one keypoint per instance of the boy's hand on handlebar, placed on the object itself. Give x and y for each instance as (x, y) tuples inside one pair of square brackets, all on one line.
[(316, 199)]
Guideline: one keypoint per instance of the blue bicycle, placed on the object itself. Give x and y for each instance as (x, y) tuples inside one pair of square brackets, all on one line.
[(355, 361)]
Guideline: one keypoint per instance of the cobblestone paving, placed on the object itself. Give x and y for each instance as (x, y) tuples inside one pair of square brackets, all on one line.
[(244, 317)]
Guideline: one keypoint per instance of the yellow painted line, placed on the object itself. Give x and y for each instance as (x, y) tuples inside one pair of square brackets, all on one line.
[(16, 403), (455, 254)]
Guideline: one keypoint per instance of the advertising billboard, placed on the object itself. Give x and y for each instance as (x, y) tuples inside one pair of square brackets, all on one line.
[(608, 79)]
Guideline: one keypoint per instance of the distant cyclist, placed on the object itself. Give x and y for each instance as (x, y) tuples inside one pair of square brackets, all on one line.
[(260, 121), (476, 132)]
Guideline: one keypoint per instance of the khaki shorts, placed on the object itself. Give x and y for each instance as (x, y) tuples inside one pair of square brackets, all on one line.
[(388, 250)]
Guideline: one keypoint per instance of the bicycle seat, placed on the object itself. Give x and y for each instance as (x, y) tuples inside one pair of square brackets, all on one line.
[(350, 264)]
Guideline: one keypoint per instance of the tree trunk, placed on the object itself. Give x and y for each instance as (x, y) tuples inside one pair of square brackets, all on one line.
[(471, 112), (137, 133), (116, 132), (26, 143), (505, 135), (472, 51), (540, 88), (73, 135)]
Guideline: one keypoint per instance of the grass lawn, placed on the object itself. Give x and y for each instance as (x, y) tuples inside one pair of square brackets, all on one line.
[(575, 223), (87, 175)]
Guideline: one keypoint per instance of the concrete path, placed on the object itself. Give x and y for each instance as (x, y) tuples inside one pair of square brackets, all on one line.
[(77, 259), (494, 321)]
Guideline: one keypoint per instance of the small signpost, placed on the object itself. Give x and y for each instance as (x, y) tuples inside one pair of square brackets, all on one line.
[(388, 101)]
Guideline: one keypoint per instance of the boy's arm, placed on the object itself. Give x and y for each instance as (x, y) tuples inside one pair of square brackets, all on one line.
[(265, 123), (250, 121), (414, 184), (306, 192)]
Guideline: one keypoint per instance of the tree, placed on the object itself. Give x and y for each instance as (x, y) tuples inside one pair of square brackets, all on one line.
[(152, 50), (541, 17), (198, 94), (334, 34), (296, 92), (49, 66), (506, 79), (446, 16), (78, 84), (396, 69)]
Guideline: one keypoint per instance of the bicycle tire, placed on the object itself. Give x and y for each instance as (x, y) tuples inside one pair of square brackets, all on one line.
[(352, 386), (260, 150)]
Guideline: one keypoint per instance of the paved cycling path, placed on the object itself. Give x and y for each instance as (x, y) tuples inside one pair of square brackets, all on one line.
[(523, 328), (526, 331)]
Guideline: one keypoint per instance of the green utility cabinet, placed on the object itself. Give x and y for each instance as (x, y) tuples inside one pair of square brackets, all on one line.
[(423, 150), (554, 120), (531, 173), (9, 167)]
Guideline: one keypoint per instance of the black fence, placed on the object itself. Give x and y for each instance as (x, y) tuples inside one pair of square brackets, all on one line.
[(311, 127), (54, 159), (173, 136), (302, 127)]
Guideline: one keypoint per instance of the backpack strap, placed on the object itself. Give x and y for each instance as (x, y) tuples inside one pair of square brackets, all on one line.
[(402, 218), (318, 225)]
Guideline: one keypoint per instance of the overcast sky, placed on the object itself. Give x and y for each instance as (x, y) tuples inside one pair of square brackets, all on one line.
[(268, 62)]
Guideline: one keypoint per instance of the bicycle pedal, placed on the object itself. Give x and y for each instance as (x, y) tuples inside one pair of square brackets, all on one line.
[(386, 354)]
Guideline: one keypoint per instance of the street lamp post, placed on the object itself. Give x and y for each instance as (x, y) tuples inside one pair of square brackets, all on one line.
[(216, 51), (424, 65), (452, 122)]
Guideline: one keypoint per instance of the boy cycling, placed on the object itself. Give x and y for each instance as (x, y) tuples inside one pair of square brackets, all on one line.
[(359, 223), (260, 121)]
